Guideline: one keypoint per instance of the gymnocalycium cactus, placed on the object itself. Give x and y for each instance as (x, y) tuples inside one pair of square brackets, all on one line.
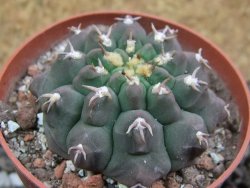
[(130, 105)]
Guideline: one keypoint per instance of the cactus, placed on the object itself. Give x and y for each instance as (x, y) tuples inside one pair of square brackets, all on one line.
[(130, 105)]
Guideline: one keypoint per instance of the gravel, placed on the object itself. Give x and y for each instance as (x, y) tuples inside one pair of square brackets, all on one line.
[(12, 126), (240, 177), (8, 176)]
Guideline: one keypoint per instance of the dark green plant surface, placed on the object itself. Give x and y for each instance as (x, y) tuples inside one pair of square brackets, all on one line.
[(129, 104)]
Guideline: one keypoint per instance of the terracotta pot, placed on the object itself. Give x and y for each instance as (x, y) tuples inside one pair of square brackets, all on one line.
[(37, 45)]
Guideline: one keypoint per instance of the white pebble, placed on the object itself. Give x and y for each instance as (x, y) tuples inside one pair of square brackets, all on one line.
[(220, 131), (40, 119), (15, 180), (41, 130), (217, 158), (22, 149), (22, 88), (81, 173), (3, 125), (13, 140), (12, 126), (61, 47), (5, 133), (184, 185), (21, 143), (70, 167), (27, 81), (210, 175), (40, 66), (122, 186), (47, 184), (42, 140), (110, 181), (220, 147), (17, 153)]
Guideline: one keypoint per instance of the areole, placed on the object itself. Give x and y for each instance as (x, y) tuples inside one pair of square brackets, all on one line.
[(40, 43)]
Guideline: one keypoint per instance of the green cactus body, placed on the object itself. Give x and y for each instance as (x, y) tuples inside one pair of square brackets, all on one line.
[(126, 104)]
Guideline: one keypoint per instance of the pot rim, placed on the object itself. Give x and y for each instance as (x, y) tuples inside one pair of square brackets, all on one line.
[(244, 145)]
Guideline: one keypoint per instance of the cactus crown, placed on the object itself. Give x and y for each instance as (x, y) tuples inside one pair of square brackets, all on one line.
[(131, 105)]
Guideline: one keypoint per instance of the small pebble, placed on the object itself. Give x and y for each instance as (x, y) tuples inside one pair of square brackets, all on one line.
[(171, 182), (17, 153), (22, 149), (220, 147), (33, 70), (219, 169), (41, 130), (22, 88), (189, 174), (94, 181), (22, 143), (48, 155), (27, 81), (158, 184), (42, 141), (70, 180), (5, 132), (41, 173), (25, 97), (47, 184), (53, 164), (28, 137), (12, 126), (210, 175), (13, 97), (24, 158), (216, 157), (3, 126), (21, 94), (121, 186), (81, 173), (39, 163), (26, 116), (200, 180), (40, 119), (178, 178), (228, 134), (70, 167), (186, 186), (205, 162), (109, 180), (59, 170), (28, 165)]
